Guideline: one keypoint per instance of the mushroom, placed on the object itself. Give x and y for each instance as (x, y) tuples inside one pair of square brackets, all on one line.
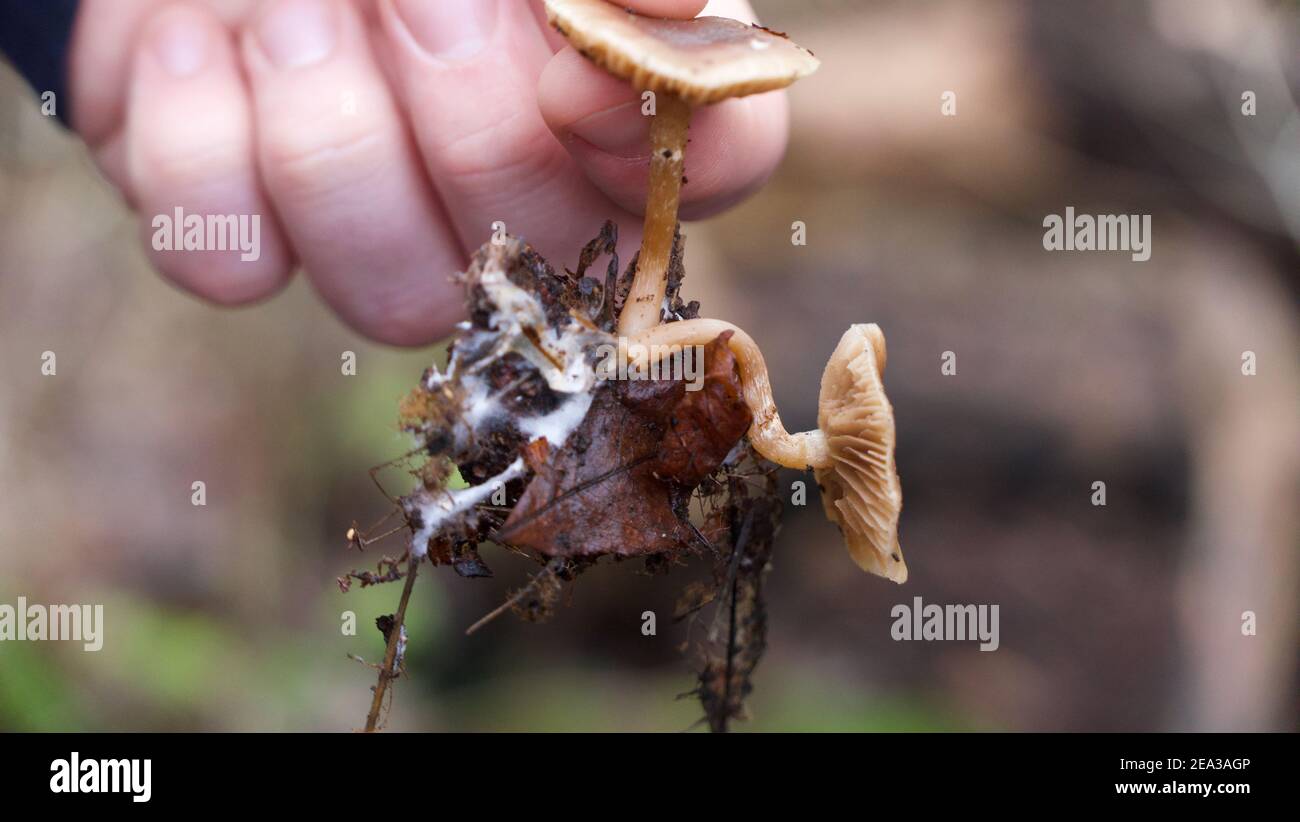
[(685, 63), (696, 62), (852, 450)]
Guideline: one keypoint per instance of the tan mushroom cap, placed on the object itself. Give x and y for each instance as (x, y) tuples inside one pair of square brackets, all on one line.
[(701, 61), (860, 488)]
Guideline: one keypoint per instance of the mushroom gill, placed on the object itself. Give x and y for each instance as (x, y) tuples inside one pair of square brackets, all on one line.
[(860, 488)]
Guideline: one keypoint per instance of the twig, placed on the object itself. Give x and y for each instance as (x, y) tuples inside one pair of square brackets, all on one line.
[(381, 466), (359, 539), (742, 544), (515, 599), (386, 672)]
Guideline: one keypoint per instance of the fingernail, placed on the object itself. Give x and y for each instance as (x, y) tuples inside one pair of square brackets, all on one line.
[(622, 131), (181, 43), (298, 33), (449, 29)]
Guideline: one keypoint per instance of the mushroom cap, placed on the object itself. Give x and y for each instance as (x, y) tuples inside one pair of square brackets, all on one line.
[(701, 61), (860, 488)]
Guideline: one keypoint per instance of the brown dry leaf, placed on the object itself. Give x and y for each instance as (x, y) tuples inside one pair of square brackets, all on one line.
[(621, 482), (707, 423), (599, 495)]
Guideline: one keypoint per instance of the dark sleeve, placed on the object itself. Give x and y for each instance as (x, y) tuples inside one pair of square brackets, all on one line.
[(34, 36)]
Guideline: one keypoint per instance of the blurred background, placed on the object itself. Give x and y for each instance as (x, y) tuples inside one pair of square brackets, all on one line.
[(1071, 369)]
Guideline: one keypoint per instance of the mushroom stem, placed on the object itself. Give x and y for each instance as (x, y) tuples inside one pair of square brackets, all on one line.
[(667, 158), (769, 437)]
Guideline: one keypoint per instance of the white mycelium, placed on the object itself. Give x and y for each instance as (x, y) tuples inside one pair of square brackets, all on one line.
[(437, 507), (516, 324)]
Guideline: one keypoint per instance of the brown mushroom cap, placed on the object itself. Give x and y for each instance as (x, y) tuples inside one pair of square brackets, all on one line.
[(860, 489), (701, 61)]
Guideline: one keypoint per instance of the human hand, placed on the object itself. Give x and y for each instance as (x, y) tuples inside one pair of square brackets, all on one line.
[(380, 140)]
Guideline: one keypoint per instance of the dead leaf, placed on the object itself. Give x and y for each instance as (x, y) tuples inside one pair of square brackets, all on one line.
[(706, 424), (620, 484), (599, 494)]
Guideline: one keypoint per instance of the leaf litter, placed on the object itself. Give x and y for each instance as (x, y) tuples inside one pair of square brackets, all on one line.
[(567, 467)]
